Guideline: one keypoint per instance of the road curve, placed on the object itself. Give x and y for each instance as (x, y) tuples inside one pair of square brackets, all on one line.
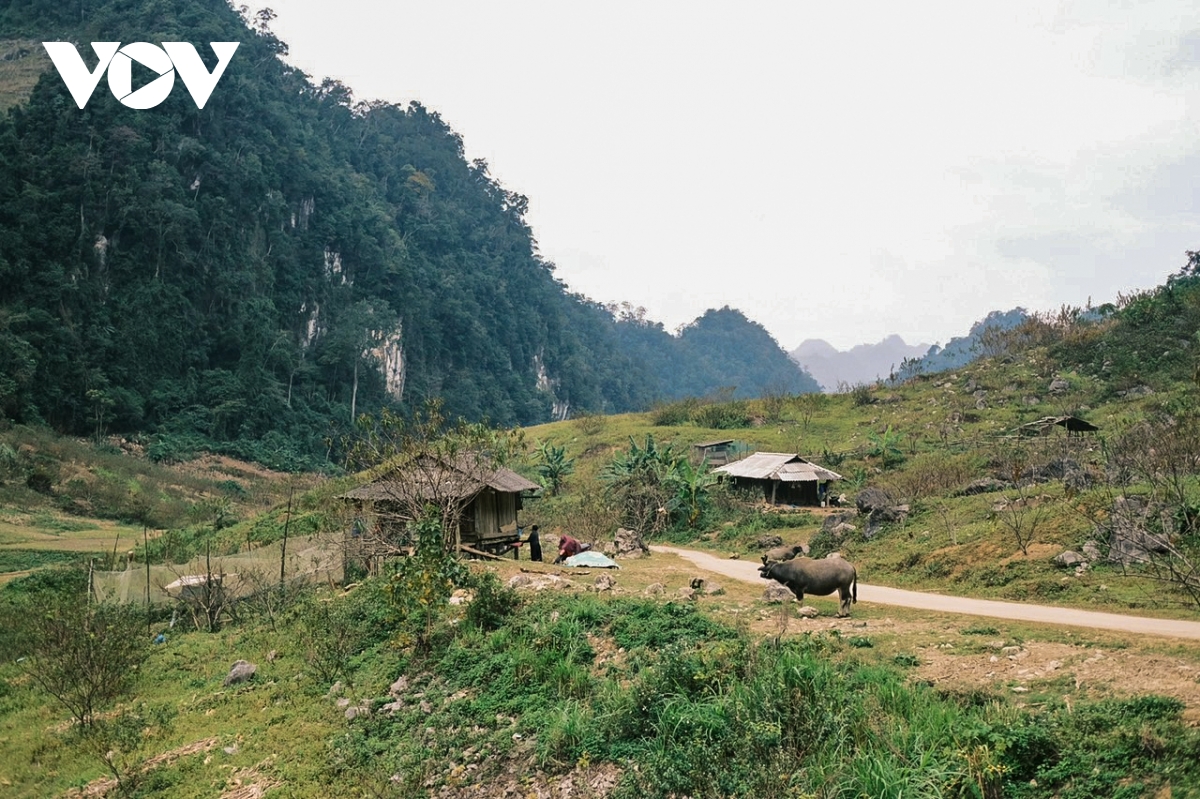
[(1017, 611)]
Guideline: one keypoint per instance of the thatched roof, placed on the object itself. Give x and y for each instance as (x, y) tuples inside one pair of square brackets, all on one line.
[(433, 480), (786, 467), (1073, 424)]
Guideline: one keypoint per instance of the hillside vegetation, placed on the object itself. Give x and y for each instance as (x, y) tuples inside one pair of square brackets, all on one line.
[(251, 276)]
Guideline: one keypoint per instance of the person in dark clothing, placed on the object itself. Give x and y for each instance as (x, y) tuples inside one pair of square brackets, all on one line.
[(535, 545)]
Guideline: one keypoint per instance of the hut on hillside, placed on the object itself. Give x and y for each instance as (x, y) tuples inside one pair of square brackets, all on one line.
[(488, 499), (1044, 426), (715, 453), (784, 477)]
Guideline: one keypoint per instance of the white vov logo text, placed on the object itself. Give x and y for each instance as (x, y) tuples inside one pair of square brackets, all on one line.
[(165, 61)]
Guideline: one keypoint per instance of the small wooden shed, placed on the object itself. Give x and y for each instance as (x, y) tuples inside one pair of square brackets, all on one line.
[(490, 499), (1072, 424), (715, 453), (784, 477)]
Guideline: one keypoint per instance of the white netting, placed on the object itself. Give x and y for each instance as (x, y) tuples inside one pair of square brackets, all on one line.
[(311, 558)]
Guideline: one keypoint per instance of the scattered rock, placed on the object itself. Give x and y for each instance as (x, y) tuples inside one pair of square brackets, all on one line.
[(538, 582), (713, 589), (1069, 559), (654, 589), (1091, 550), (808, 612), (272, 655), (687, 593), (426, 708), (242, 671), (984, 485), (461, 596), (343, 702), (842, 530), (520, 581), (399, 686), (777, 593), (767, 541), (834, 519), (1058, 386), (335, 689), (605, 582), (1136, 391)]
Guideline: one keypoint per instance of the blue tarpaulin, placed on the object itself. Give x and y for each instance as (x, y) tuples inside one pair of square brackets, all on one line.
[(592, 559)]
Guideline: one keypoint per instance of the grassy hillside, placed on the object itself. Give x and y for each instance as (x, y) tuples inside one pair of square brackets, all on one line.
[(22, 61)]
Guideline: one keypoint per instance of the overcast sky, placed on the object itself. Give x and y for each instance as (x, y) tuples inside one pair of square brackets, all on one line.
[(835, 170)]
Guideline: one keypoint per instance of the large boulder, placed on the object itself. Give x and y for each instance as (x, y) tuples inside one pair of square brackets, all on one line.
[(241, 672), (880, 508), (871, 498), (777, 593), (1069, 559), (1129, 539), (767, 542), (629, 544)]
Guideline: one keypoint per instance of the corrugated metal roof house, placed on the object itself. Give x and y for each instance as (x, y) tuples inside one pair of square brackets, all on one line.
[(785, 477)]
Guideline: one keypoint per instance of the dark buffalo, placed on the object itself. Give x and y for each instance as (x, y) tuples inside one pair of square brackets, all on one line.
[(817, 577), (786, 552)]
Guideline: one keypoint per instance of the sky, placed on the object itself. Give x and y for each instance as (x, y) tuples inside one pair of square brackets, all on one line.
[(842, 171)]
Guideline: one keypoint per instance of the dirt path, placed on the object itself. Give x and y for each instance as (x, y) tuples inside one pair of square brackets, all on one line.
[(748, 571)]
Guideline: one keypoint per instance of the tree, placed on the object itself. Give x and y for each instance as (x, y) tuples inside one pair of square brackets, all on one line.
[(1021, 513), (426, 465), (554, 466), (84, 655), (654, 486), (1148, 511), (886, 447)]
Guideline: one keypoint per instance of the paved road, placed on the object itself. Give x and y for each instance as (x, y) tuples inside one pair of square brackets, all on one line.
[(1018, 611)]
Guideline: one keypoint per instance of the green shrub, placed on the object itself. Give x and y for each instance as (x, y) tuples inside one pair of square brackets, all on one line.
[(674, 414), (732, 415), (493, 601)]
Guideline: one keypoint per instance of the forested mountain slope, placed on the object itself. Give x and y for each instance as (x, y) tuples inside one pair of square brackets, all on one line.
[(285, 258)]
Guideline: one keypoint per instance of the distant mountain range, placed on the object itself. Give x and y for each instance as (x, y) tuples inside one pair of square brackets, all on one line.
[(892, 358), (864, 363)]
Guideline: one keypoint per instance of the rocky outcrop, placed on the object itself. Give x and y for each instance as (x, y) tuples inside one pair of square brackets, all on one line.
[(984, 485), (1129, 538)]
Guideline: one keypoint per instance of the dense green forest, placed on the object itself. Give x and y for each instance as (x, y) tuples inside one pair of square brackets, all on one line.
[(252, 275)]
